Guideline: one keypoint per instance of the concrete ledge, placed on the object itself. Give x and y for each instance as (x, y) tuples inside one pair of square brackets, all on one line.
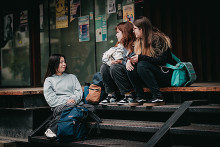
[(21, 91), (187, 89), (200, 87)]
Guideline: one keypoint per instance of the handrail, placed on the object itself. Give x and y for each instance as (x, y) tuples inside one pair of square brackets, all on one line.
[(168, 124)]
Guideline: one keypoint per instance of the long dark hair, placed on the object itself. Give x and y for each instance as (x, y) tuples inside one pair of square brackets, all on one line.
[(53, 64), (128, 35), (147, 29), (160, 42)]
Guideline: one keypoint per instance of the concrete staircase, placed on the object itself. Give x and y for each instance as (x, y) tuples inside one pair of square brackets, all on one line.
[(192, 123), (189, 118)]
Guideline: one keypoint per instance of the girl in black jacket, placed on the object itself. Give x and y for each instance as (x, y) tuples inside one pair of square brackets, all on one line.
[(152, 49)]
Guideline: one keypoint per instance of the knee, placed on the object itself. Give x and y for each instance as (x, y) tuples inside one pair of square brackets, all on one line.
[(131, 73), (104, 68), (114, 67)]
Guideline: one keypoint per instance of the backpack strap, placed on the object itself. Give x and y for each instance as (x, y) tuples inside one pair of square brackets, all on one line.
[(175, 58), (91, 114), (97, 119)]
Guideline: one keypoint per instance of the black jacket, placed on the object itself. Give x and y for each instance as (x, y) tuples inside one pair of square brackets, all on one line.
[(160, 60)]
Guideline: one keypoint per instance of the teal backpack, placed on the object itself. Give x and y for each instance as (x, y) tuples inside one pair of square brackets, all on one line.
[(183, 73)]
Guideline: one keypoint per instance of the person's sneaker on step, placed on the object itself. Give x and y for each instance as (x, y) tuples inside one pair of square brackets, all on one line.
[(156, 101), (50, 134), (110, 99), (138, 101), (126, 100)]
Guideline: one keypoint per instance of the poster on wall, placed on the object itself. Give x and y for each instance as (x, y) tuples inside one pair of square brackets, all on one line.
[(74, 9), (8, 27), (83, 26), (119, 12), (101, 28), (24, 21), (111, 6), (61, 14), (128, 13)]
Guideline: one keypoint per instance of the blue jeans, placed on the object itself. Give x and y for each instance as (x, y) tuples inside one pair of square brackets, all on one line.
[(150, 76), (115, 77)]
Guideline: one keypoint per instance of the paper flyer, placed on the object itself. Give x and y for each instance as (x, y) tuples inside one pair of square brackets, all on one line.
[(101, 28), (8, 27), (61, 14), (74, 9), (111, 6), (83, 28), (128, 13)]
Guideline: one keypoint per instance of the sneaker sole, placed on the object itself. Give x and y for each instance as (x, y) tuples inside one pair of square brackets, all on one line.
[(52, 138), (125, 104), (105, 104), (134, 104), (154, 104)]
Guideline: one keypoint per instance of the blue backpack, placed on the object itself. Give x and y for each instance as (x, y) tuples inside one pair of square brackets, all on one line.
[(71, 126), (72, 123)]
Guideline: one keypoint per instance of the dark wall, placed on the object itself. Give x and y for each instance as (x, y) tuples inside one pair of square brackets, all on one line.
[(194, 30), (193, 27)]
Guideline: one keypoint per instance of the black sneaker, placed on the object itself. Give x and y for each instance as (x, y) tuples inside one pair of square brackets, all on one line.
[(126, 100), (138, 101), (155, 102), (108, 100)]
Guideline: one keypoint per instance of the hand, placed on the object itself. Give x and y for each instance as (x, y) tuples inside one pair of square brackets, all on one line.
[(134, 59), (116, 61), (70, 101), (129, 65)]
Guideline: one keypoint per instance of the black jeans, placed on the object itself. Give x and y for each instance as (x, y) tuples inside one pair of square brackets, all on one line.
[(151, 76), (115, 77)]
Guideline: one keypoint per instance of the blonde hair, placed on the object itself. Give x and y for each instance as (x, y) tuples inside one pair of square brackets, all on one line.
[(142, 45), (153, 43), (160, 43)]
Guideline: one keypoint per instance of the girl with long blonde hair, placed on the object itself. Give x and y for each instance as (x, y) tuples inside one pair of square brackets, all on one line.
[(152, 49)]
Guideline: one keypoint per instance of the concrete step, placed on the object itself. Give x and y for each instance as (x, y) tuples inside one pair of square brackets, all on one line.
[(20, 122), (197, 130), (152, 127), (11, 142), (101, 142), (128, 125)]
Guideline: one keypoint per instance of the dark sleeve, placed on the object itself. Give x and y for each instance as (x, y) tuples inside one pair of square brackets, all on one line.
[(160, 60)]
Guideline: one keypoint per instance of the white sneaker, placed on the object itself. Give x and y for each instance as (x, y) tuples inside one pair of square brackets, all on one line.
[(126, 100), (108, 100), (50, 134)]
